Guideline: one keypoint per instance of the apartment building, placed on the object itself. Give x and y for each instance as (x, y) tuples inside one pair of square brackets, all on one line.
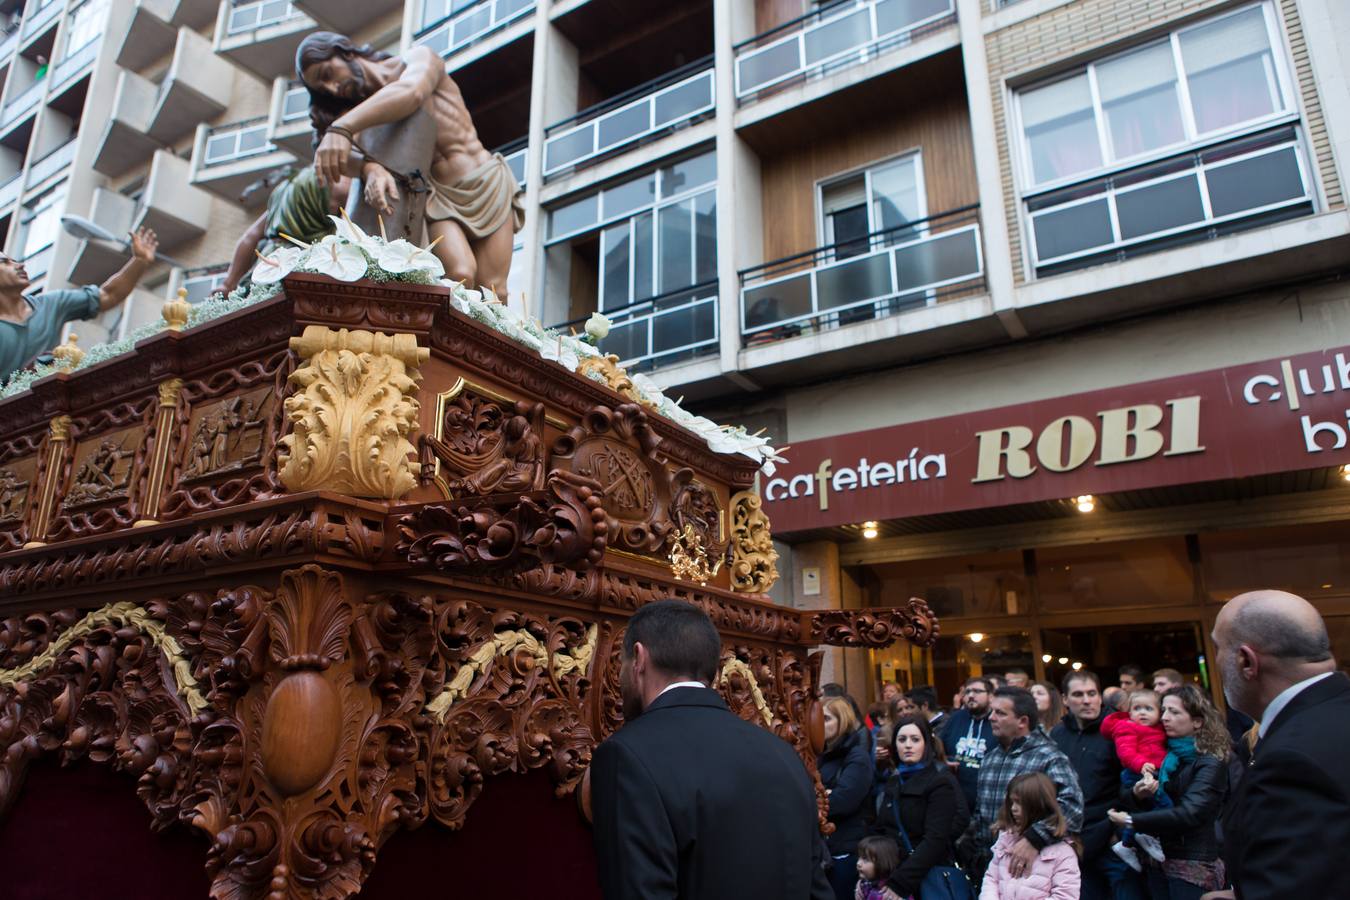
[(1047, 296)]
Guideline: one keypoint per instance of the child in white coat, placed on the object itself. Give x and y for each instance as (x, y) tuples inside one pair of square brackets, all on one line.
[(1054, 875)]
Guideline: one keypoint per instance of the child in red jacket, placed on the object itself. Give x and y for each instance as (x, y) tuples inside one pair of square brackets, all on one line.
[(1141, 745)]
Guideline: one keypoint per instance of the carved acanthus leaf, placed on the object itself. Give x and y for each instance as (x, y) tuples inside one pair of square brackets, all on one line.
[(754, 562), (913, 622)]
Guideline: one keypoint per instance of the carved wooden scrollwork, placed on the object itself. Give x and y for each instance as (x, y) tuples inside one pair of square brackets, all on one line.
[(754, 562), (564, 525), (913, 622), (618, 448)]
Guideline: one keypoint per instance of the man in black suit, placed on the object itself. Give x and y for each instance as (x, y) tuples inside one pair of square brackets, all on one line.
[(1288, 823), (690, 801)]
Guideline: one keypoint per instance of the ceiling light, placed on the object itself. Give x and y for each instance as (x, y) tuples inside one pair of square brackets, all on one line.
[(1063, 660), (1077, 666), (1086, 503), (870, 530), (1046, 657), (976, 637)]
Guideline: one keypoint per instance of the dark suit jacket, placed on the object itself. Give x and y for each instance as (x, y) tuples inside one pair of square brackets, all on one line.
[(691, 802), (1288, 824)]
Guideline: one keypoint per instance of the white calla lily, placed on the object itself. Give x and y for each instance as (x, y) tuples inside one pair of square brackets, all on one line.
[(337, 258), (403, 256), (559, 352), (350, 232), (277, 265)]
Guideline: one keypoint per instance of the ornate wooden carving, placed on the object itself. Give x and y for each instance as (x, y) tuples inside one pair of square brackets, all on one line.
[(253, 390), (353, 408), (618, 449), (913, 622), (108, 451), (566, 525), (487, 445), (754, 566)]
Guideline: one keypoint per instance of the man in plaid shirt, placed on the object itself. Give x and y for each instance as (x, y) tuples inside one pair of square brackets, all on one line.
[(1022, 747)]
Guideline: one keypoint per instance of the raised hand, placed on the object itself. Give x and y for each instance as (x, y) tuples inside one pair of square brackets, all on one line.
[(144, 245)]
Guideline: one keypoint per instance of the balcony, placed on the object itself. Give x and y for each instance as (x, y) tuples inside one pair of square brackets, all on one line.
[(516, 154), (830, 39), (639, 115), (192, 89), (21, 105), (42, 17), (125, 143), (467, 25), (885, 273), (169, 203), (149, 36), (1202, 194), (9, 42), (663, 330), (229, 158), (288, 123), (73, 66), (51, 165), (262, 36), (94, 261), (202, 282), (9, 192), (347, 16)]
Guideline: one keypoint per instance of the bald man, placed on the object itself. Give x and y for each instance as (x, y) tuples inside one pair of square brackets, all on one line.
[(1288, 824)]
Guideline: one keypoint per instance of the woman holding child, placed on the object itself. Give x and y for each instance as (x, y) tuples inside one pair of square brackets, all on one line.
[(922, 809), (1178, 802)]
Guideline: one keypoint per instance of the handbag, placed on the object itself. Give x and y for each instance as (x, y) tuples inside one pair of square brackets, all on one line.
[(941, 882)]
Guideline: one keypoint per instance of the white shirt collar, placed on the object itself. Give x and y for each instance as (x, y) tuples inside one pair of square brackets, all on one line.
[(1282, 700), (679, 684)]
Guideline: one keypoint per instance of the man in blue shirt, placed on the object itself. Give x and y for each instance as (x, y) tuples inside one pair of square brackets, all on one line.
[(32, 326)]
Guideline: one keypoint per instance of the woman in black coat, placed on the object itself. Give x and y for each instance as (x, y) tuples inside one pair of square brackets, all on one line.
[(1194, 778), (923, 796), (846, 772)]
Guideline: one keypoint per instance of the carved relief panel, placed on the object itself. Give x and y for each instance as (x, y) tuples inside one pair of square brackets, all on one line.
[(223, 450), (484, 443), (18, 492), (107, 455)]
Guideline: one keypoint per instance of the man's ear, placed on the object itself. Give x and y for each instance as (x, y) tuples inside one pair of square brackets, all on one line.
[(641, 657), (1249, 662)]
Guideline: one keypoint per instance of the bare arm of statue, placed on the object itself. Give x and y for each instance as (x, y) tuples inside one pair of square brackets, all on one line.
[(243, 253), (392, 103)]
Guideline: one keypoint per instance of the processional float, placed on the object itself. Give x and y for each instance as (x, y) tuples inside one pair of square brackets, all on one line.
[(326, 568)]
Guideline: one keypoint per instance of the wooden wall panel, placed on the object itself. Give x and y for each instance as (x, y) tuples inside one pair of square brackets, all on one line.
[(772, 13), (940, 128)]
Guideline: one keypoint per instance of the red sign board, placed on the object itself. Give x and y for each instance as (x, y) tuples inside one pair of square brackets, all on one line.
[(1276, 416)]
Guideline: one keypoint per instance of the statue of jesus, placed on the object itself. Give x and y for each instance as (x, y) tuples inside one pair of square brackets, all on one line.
[(474, 209)]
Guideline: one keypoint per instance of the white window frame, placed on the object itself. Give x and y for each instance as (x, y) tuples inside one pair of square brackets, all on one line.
[(1191, 137), (823, 184)]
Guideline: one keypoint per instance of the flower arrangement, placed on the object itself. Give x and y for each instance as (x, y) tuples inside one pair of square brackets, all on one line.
[(350, 255)]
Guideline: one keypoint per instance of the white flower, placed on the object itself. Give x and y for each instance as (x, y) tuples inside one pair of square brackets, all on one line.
[(722, 442), (338, 259), (350, 232), (401, 256), (559, 352), (277, 265), (597, 326)]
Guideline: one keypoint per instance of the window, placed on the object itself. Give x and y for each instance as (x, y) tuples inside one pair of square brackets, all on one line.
[(880, 202), (1197, 82), (656, 257), (40, 223), (86, 25), (1189, 137)]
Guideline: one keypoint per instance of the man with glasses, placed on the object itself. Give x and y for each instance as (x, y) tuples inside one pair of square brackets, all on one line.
[(30, 326), (969, 736)]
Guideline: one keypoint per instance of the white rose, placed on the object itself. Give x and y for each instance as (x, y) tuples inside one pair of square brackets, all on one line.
[(597, 326)]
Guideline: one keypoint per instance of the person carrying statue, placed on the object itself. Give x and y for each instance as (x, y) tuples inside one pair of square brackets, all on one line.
[(298, 206), (474, 209)]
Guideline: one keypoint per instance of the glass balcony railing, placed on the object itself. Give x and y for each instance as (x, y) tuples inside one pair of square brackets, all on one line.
[(39, 18), (241, 140), (259, 14), (203, 282), (76, 62), (8, 41), (663, 330), (9, 191), (873, 276), (39, 263), (1193, 196), (457, 26), (52, 163), (516, 154), (837, 36), (645, 111), (16, 108)]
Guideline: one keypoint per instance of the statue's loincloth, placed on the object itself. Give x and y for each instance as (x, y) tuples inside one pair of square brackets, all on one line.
[(481, 201)]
